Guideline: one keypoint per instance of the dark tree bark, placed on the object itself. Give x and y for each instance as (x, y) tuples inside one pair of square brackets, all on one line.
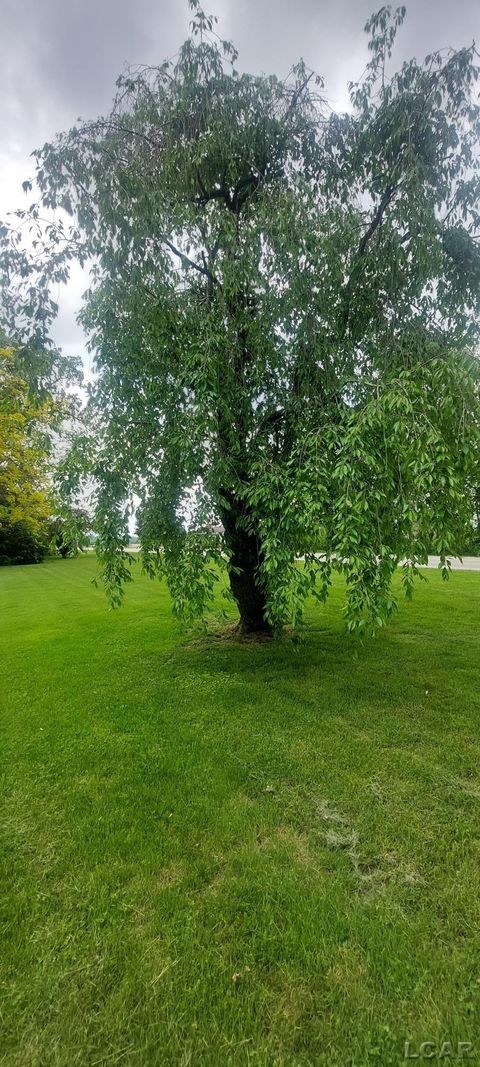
[(248, 594), (243, 573)]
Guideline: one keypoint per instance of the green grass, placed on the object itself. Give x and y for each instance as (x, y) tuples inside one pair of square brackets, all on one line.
[(228, 853)]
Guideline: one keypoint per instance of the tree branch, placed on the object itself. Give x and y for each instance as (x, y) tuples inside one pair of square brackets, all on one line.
[(297, 94), (187, 262), (376, 221)]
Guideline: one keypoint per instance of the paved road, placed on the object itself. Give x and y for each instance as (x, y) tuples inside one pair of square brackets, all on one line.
[(468, 563)]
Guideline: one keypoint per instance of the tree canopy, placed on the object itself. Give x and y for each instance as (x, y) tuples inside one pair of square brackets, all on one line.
[(24, 501), (284, 313), (34, 401)]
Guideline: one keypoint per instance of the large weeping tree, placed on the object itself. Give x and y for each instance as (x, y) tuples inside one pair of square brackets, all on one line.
[(283, 310)]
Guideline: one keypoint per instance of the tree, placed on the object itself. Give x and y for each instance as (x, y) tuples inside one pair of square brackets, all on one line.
[(34, 402), (24, 502), (69, 531), (284, 313)]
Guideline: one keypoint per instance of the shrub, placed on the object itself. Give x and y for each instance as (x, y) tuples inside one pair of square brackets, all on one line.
[(20, 542)]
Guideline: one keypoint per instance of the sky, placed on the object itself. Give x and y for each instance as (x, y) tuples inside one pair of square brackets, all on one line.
[(59, 60)]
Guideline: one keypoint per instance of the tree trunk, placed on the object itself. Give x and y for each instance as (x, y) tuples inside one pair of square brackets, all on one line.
[(249, 596), (243, 575)]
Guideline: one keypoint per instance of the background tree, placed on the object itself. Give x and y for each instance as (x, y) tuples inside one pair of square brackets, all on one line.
[(34, 402), (24, 502), (69, 531), (284, 313)]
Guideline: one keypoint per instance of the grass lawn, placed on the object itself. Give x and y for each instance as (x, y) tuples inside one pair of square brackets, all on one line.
[(224, 853)]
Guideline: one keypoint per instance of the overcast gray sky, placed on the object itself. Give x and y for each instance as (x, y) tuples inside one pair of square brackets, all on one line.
[(59, 60)]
